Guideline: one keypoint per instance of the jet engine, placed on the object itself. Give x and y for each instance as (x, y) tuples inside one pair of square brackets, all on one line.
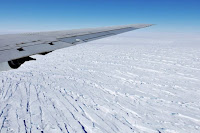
[(14, 64)]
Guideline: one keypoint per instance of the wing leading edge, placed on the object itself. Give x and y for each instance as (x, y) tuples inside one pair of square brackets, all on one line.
[(18, 47)]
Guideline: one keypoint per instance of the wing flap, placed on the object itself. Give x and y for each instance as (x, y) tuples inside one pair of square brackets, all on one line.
[(31, 50)]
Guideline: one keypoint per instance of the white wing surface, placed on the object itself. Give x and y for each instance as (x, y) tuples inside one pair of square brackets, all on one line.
[(16, 48)]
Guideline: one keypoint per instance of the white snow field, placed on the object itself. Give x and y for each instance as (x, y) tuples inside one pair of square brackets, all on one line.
[(134, 82)]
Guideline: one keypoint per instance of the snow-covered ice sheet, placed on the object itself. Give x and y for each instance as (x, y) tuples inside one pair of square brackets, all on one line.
[(134, 82)]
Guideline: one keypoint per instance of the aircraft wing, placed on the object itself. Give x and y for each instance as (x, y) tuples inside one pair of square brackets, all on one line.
[(18, 47)]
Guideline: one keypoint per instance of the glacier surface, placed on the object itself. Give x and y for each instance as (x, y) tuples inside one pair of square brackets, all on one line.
[(134, 82)]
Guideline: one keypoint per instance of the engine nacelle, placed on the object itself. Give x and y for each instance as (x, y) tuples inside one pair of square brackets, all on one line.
[(14, 64)]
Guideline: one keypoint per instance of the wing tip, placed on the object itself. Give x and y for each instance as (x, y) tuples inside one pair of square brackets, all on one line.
[(143, 25)]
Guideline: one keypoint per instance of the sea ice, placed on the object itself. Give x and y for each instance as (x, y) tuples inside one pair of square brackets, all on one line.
[(134, 82)]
